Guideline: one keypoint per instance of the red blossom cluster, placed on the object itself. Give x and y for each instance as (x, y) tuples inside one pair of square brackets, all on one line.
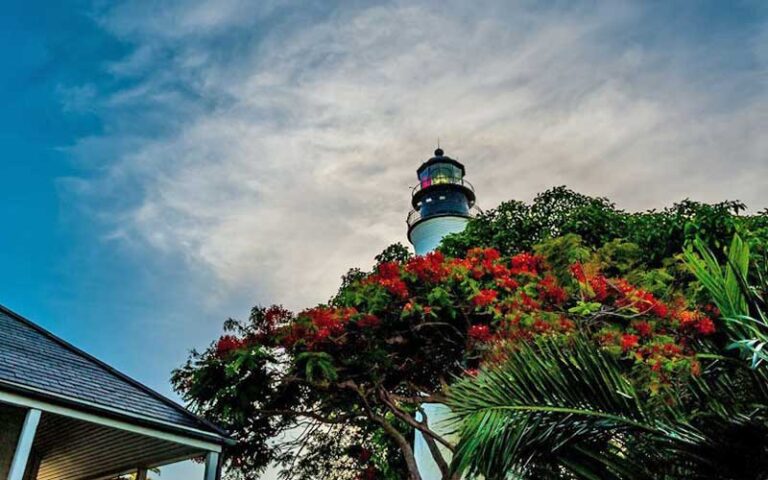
[(483, 298), (227, 344), (428, 268), (388, 276), (499, 301), (551, 292), (697, 320), (480, 333), (368, 321), (659, 337), (526, 263)]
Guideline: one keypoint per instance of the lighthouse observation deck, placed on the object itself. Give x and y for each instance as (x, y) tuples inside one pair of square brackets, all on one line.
[(442, 192)]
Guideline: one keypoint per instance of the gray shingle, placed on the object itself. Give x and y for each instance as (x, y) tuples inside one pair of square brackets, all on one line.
[(33, 357)]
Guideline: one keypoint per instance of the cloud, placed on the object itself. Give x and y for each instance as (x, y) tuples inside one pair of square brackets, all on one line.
[(272, 147)]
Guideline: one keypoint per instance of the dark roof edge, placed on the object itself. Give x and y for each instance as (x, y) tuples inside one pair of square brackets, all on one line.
[(158, 396), (114, 414)]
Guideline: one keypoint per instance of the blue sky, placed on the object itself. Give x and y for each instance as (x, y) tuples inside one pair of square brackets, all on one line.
[(167, 165)]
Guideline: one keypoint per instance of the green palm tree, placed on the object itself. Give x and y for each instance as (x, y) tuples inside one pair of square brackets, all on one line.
[(555, 411), (568, 410)]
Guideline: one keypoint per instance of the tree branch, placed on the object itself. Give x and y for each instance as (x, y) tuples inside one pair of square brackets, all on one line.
[(407, 418)]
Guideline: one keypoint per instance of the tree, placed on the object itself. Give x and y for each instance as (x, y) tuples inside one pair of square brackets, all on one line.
[(554, 410), (514, 226), (396, 337), (333, 391)]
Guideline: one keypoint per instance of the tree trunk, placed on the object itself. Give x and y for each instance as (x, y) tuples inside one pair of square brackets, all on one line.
[(405, 447), (437, 455)]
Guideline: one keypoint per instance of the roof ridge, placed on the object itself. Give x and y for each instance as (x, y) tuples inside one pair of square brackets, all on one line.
[(113, 371)]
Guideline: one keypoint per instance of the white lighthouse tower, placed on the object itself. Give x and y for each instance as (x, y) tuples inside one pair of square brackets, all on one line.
[(442, 204)]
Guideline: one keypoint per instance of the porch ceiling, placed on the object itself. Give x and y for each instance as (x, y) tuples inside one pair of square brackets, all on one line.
[(70, 449)]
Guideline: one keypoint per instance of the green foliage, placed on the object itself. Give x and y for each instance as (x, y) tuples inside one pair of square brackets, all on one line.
[(514, 226), (569, 411), (397, 252), (351, 373), (741, 304), (723, 284), (562, 252), (557, 410), (572, 411)]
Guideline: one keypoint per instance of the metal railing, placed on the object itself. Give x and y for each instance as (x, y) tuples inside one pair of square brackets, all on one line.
[(414, 216), (442, 181)]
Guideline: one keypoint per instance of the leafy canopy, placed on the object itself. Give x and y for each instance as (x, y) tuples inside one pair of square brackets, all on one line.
[(341, 383)]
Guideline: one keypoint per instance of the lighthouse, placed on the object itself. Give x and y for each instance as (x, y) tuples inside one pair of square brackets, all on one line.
[(442, 202)]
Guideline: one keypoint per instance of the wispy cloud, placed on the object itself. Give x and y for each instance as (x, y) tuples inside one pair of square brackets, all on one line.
[(272, 147)]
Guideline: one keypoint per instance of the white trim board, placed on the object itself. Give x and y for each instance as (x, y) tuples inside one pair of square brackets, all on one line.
[(22, 401)]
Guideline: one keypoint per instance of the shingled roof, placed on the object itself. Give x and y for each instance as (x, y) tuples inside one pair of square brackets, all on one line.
[(35, 362)]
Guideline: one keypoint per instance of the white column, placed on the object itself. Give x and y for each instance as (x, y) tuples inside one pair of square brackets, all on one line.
[(211, 466), (24, 445)]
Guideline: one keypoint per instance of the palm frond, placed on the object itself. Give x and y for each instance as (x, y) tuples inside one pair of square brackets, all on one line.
[(724, 284), (740, 304), (548, 404)]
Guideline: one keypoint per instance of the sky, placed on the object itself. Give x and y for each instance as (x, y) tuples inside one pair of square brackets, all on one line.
[(166, 165)]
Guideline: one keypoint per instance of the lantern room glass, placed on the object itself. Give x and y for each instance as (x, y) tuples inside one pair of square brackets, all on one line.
[(440, 173)]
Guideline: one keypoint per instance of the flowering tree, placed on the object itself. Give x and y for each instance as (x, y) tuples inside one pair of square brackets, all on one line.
[(573, 410), (350, 376)]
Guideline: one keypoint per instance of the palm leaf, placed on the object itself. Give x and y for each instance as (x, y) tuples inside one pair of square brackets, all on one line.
[(546, 406), (740, 304), (724, 284)]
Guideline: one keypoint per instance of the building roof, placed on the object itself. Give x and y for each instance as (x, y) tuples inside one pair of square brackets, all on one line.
[(36, 363)]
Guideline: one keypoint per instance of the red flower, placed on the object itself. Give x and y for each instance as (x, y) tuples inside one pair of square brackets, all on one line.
[(322, 334), (540, 326), (227, 344), (428, 268), (659, 309), (369, 321), (551, 291), (484, 298), (329, 319), (525, 263), (274, 316), (629, 341), (643, 328), (566, 324), (507, 283), (706, 326), (481, 333), (388, 270), (479, 254), (670, 349), (408, 307), (599, 286), (687, 318), (578, 273), (388, 276), (528, 303)]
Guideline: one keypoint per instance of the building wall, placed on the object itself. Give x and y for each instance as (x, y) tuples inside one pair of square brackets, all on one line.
[(11, 421), (426, 236)]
